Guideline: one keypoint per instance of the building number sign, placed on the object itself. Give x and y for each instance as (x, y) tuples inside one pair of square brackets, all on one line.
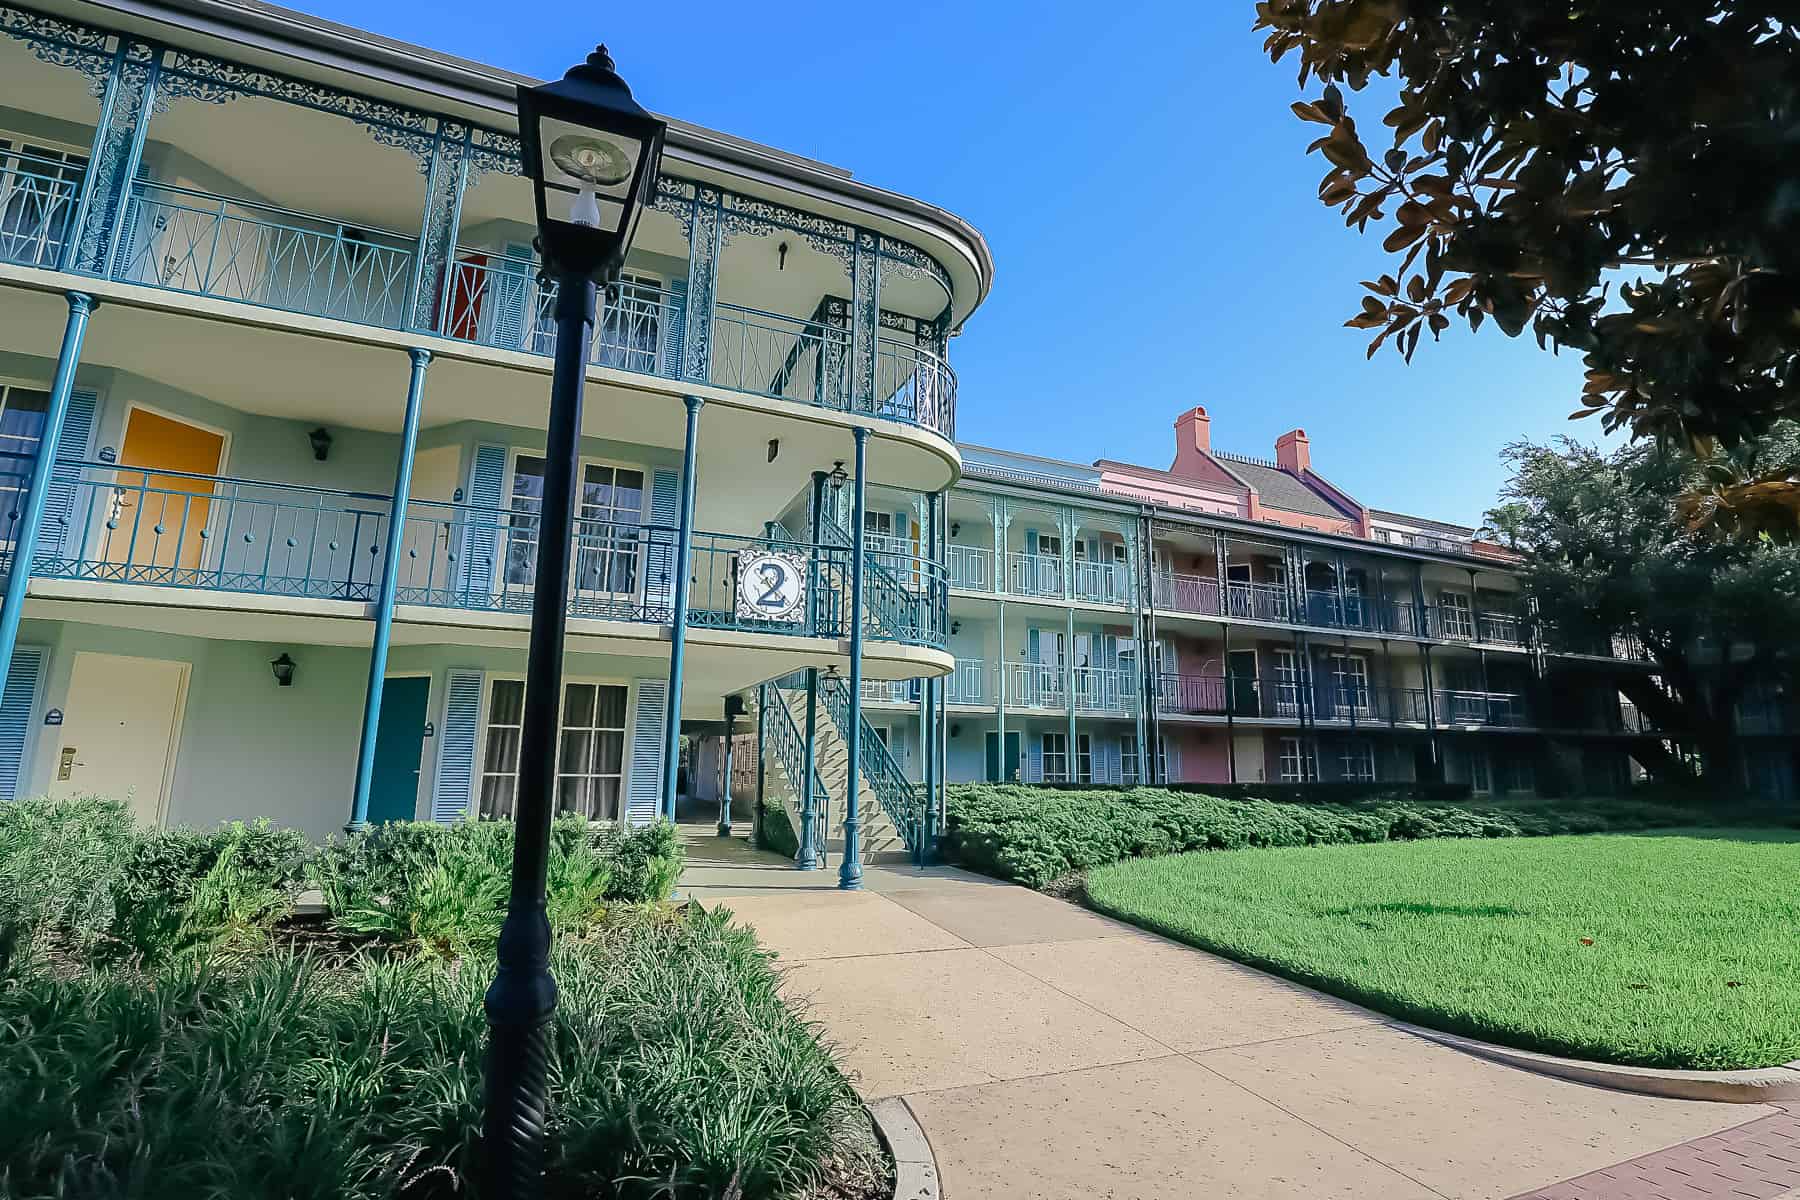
[(771, 587)]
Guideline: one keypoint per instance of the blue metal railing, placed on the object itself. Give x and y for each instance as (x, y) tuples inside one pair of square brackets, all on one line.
[(905, 594), (788, 743), (788, 358), (901, 799), (914, 385), (38, 199), (209, 245)]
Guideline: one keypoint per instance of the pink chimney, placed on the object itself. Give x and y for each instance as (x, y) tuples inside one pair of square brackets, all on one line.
[(1291, 452), (1193, 439)]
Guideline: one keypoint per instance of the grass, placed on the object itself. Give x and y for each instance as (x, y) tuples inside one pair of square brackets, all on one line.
[(1668, 949)]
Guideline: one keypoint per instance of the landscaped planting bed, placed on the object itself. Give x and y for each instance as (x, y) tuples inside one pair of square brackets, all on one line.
[(1669, 949), (169, 1027), (1035, 835)]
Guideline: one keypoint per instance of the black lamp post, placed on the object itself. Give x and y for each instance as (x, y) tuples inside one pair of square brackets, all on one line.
[(592, 154)]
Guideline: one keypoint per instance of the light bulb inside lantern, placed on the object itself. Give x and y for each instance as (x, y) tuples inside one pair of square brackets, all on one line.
[(585, 209)]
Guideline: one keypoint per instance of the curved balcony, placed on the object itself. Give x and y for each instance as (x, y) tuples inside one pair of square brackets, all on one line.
[(129, 525)]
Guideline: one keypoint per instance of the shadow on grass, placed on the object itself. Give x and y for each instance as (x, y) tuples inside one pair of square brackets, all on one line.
[(1425, 910)]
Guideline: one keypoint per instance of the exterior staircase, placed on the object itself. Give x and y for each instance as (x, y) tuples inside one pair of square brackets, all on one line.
[(881, 841)]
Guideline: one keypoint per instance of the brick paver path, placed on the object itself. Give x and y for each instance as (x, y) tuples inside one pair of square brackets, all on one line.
[(1759, 1160)]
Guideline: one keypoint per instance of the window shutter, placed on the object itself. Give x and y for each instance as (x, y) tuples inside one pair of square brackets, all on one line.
[(454, 785), (15, 716), (659, 567), (1034, 758), (513, 293), (674, 321), (644, 775), (61, 539), (1172, 755), (1031, 541), (481, 531)]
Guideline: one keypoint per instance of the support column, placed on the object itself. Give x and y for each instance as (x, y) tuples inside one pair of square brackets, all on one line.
[(37, 492), (933, 697), (684, 569), (1000, 693), (808, 857), (725, 785), (1230, 703), (384, 601), (850, 867), (1069, 692), (1431, 707), (816, 519), (762, 763)]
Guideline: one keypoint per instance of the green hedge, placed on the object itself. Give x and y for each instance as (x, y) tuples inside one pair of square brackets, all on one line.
[(775, 830), (1033, 834)]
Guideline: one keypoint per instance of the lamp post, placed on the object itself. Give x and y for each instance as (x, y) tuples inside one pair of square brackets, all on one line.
[(591, 154)]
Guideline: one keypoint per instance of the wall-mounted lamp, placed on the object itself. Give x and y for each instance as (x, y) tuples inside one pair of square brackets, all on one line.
[(838, 477), (955, 628), (781, 257), (955, 730), (321, 442), (955, 528), (284, 670), (774, 448)]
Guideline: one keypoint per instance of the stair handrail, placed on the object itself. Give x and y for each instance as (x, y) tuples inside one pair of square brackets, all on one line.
[(897, 796), (790, 748), (892, 603)]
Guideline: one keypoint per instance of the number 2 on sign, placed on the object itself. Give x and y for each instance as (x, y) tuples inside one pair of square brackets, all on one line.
[(773, 579)]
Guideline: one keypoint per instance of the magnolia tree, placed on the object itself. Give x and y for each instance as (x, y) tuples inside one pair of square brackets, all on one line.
[(1603, 556), (1621, 179)]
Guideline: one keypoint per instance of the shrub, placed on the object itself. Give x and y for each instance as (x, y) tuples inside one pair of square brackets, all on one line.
[(775, 830), (678, 1071), (1033, 835), (60, 861)]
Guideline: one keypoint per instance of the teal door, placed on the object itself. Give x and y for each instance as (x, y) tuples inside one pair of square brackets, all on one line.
[(399, 743), (993, 757)]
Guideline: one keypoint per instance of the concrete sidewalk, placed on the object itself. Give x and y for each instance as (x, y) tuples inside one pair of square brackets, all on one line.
[(1050, 1052)]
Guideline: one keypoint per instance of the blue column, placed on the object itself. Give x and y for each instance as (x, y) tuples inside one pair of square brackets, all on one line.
[(850, 869), (928, 717), (725, 787), (808, 858), (684, 553), (390, 583), (762, 763), (31, 519)]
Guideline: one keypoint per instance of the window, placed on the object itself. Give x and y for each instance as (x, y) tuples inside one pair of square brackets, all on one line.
[(1056, 757), (630, 331), (1459, 621), (1287, 683), (1296, 762), (1162, 761), (1084, 759), (608, 510), (39, 187), (590, 758), (1480, 780), (21, 428), (1049, 545), (1356, 760), (1128, 759), (1350, 683)]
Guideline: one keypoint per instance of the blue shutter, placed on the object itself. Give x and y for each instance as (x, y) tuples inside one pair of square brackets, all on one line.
[(659, 569), (61, 539), (1034, 758), (1031, 542), (674, 328), (512, 294), (16, 708), (644, 771), (455, 782), (480, 533)]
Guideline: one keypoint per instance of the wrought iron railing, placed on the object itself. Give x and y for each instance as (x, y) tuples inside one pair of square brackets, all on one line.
[(1506, 709), (1100, 582), (771, 354), (889, 691), (1034, 574), (972, 567), (903, 593), (1035, 685), (902, 800), (786, 740), (210, 245), (967, 684), (914, 385), (1259, 601), (1175, 592), (38, 200), (1106, 691)]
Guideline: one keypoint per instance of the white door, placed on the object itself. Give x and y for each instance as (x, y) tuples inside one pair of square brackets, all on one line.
[(118, 733)]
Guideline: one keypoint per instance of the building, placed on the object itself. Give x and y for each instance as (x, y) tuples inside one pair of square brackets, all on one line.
[(284, 535)]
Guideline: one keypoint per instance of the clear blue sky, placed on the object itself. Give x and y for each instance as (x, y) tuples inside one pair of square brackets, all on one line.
[(1152, 214)]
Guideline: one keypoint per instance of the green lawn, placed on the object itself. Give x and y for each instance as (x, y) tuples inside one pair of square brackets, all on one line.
[(1668, 949)]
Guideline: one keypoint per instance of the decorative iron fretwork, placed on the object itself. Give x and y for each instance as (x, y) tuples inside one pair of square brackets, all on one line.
[(493, 153), (128, 90), (213, 81), (444, 182), (746, 215), (865, 307), (704, 238), (62, 44), (913, 262)]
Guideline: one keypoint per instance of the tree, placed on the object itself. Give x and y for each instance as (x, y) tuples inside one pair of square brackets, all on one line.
[(1621, 178), (1505, 524), (1604, 557)]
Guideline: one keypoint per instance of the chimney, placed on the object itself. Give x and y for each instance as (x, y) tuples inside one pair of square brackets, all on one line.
[(1193, 438), (1291, 452)]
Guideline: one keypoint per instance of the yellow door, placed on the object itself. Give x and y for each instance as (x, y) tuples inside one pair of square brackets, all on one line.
[(158, 517)]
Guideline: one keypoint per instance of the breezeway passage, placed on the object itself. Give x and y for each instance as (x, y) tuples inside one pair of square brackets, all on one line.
[(1049, 1053)]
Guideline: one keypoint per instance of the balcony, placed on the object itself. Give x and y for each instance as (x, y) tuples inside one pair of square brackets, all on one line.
[(968, 683), (1101, 582), (1106, 691), (112, 524), (1035, 685), (972, 568), (1034, 575), (39, 194), (1283, 698)]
